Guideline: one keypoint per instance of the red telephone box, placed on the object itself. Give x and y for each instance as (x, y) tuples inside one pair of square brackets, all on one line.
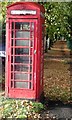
[(24, 50)]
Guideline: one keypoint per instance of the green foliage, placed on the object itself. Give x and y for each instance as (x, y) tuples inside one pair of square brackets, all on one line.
[(69, 43), (37, 107), (56, 19), (10, 108), (3, 12)]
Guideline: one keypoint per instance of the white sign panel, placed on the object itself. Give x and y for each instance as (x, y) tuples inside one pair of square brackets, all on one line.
[(2, 53), (24, 12)]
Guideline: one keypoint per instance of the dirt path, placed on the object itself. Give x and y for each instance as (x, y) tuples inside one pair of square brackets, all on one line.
[(57, 71), (57, 82)]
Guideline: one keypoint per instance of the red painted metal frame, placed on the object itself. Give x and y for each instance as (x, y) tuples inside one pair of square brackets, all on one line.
[(38, 20), (39, 88), (32, 91)]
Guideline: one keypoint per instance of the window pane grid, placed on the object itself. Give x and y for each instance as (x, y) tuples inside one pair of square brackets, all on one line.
[(21, 38), (32, 47), (11, 68), (22, 72), (19, 47), (20, 64), (15, 54), (20, 30), (29, 57), (21, 80)]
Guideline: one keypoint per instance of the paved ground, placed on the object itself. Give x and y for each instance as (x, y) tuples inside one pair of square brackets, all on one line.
[(56, 110), (60, 110)]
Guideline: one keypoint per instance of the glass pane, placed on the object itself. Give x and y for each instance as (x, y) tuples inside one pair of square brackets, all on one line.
[(31, 43), (11, 67), (42, 43), (31, 68), (11, 75), (18, 84), (12, 43), (12, 59), (21, 84), (18, 25), (41, 81), (30, 76), (41, 66), (31, 51), (12, 25), (30, 85), (12, 51), (42, 35), (21, 76), (41, 51), (22, 34), (22, 25), (31, 34), (12, 34), (24, 68), (11, 84), (26, 26), (32, 26), (42, 59), (22, 43), (31, 60), (22, 51), (20, 59), (41, 73)]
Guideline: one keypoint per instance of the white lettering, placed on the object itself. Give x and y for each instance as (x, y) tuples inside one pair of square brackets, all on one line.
[(18, 12)]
